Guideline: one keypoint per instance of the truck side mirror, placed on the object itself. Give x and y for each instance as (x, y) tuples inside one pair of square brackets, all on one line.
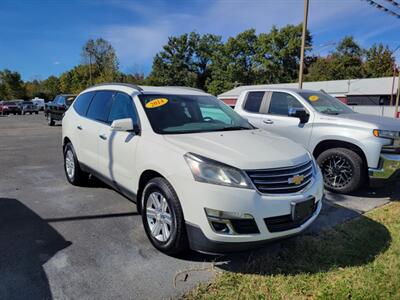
[(300, 113)]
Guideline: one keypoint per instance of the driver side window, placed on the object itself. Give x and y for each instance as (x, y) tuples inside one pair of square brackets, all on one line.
[(281, 103)]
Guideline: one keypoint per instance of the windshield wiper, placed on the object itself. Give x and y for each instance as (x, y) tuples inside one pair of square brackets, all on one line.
[(233, 128), (329, 112)]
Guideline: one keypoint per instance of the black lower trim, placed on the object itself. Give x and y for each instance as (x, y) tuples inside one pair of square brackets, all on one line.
[(125, 192), (199, 242)]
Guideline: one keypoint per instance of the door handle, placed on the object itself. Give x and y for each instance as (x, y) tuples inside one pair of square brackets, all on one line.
[(103, 136), (79, 127), (268, 122)]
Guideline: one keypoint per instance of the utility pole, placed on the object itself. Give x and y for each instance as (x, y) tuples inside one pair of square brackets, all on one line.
[(396, 110), (303, 43)]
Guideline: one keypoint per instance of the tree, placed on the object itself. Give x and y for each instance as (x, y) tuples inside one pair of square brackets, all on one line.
[(279, 53), (346, 62), (235, 63), (101, 57), (185, 60), (51, 87), (379, 61), (11, 85)]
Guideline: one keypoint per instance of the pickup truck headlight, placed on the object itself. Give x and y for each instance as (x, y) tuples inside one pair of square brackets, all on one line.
[(387, 134), (210, 171)]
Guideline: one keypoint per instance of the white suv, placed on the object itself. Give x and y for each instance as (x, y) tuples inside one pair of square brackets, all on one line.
[(201, 175)]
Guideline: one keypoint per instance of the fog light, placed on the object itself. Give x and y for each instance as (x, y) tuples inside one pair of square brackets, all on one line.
[(219, 227), (232, 223)]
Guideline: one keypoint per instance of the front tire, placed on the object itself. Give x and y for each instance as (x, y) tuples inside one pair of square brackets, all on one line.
[(73, 172), (162, 217), (343, 170)]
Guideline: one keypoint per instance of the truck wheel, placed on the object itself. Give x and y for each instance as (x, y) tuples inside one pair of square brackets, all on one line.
[(343, 170), (73, 172), (36, 112), (162, 217), (50, 120)]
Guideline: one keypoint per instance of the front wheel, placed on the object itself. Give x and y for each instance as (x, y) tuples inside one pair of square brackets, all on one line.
[(162, 217), (343, 170)]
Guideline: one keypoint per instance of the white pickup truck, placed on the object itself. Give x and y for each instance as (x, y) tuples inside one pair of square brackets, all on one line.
[(351, 148)]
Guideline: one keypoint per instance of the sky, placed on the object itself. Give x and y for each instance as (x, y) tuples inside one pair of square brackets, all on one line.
[(39, 38)]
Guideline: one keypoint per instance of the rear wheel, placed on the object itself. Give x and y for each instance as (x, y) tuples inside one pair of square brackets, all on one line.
[(36, 112), (343, 170), (72, 169), (162, 217)]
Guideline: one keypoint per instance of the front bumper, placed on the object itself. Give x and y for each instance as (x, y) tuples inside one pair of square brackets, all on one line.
[(388, 169), (195, 197)]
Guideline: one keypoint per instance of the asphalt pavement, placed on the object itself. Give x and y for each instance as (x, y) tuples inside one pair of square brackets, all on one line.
[(64, 242)]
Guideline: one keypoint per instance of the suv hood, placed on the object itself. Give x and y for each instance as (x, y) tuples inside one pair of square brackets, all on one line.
[(373, 121), (243, 149)]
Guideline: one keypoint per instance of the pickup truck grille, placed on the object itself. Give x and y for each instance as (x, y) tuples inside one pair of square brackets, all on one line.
[(283, 180)]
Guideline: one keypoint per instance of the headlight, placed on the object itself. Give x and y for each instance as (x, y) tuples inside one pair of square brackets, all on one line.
[(210, 171), (387, 134)]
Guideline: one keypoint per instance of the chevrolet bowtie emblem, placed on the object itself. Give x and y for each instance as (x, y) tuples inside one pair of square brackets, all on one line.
[(297, 179)]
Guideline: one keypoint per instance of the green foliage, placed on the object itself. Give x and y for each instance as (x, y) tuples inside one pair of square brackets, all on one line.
[(11, 85), (185, 60), (206, 62), (379, 61), (350, 61)]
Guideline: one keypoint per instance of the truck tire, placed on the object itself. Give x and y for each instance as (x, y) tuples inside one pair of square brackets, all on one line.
[(50, 120), (343, 170), (162, 217), (73, 171)]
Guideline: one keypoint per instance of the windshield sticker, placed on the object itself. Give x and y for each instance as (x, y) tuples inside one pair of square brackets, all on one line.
[(313, 98), (156, 102)]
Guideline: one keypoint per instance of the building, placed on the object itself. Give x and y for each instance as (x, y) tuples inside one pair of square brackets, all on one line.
[(368, 91)]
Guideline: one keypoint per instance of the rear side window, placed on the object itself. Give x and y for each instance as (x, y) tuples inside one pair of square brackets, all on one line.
[(100, 106), (82, 103), (122, 108), (253, 101)]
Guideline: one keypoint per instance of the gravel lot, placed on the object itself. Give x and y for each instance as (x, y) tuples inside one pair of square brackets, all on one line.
[(64, 242)]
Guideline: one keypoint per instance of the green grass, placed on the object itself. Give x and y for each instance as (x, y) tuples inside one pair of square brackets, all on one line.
[(359, 259)]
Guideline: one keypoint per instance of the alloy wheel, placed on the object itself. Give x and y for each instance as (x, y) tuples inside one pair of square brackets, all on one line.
[(159, 217), (70, 164), (337, 171)]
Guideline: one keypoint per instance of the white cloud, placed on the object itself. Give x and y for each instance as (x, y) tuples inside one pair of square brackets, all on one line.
[(56, 63), (137, 44)]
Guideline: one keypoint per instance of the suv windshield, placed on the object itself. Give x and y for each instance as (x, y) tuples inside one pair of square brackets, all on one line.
[(325, 103), (175, 114)]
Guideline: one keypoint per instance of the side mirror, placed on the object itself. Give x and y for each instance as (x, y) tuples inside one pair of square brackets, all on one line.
[(300, 113), (125, 125)]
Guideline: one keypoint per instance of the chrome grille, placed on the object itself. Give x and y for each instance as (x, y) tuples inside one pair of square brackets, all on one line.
[(279, 181)]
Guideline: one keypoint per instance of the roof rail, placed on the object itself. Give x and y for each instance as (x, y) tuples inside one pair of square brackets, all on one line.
[(186, 88), (134, 86)]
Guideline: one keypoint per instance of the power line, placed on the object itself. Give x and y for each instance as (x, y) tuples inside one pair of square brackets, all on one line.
[(393, 3), (383, 8)]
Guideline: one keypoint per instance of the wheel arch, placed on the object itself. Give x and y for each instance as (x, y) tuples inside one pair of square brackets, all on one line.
[(329, 144), (144, 178)]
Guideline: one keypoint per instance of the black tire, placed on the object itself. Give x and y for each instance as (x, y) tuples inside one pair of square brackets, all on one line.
[(78, 177), (23, 113), (343, 170), (36, 112), (50, 120), (20, 113), (15, 114), (177, 242), (30, 112)]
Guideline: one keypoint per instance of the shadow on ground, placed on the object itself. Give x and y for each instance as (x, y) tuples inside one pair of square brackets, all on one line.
[(26, 243)]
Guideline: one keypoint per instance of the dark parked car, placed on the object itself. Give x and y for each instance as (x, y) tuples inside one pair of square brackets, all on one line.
[(29, 107), (10, 107), (54, 110)]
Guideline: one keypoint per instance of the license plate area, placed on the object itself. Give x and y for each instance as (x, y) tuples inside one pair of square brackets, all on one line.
[(302, 210)]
